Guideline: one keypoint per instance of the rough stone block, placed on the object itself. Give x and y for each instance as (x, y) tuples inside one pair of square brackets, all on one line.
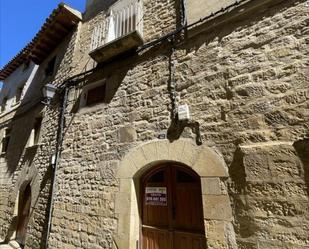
[(127, 134), (220, 234), (210, 186), (176, 150), (217, 207), (122, 203), (210, 164), (163, 149), (127, 168)]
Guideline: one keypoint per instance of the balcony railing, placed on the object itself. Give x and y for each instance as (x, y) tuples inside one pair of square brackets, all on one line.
[(125, 18)]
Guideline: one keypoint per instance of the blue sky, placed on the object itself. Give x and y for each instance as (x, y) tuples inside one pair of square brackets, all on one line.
[(21, 20)]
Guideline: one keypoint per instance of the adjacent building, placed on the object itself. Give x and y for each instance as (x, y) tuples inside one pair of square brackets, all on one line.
[(175, 124)]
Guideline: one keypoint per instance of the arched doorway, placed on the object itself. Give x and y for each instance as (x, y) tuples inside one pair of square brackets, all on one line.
[(24, 204), (172, 209)]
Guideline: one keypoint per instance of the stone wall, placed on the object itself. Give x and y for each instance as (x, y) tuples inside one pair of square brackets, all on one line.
[(22, 164), (21, 78), (246, 84)]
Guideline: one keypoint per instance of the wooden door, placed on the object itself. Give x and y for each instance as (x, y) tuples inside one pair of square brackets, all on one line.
[(23, 214), (172, 213)]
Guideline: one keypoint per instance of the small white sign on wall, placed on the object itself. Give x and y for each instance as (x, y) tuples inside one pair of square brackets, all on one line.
[(183, 112)]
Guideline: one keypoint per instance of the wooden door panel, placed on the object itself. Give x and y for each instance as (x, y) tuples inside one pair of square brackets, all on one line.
[(156, 238), (179, 223), (188, 207), (156, 216), (23, 214), (189, 241)]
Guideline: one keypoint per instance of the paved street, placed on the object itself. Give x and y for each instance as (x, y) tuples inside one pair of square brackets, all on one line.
[(12, 245)]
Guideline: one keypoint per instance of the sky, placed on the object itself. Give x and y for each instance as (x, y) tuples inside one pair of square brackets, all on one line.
[(20, 20)]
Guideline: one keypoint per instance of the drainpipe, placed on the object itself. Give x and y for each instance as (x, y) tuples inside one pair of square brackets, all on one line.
[(184, 14), (55, 161)]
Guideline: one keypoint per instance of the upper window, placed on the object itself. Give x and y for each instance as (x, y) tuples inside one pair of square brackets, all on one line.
[(4, 103), (6, 140), (93, 94), (125, 16), (18, 95), (35, 132), (50, 67), (123, 19)]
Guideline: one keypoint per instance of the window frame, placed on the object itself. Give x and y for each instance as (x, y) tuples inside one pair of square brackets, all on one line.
[(6, 140), (87, 88), (4, 103), (50, 67), (34, 137), (20, 91), (113, 32), (108, 31)]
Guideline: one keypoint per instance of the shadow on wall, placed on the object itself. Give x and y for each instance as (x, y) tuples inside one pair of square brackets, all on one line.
[(244, 224), (17, 153), (302, 149), (237, 172)]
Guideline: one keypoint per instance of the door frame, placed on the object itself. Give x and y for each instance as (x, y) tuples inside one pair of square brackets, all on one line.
[(170, 168), (21, 206), (206, 161)]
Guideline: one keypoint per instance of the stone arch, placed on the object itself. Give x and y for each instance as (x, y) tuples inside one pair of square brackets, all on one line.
[(29, 175), (204, 160)]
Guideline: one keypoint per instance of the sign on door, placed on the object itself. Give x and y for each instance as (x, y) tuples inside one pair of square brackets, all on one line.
[(156, 196)]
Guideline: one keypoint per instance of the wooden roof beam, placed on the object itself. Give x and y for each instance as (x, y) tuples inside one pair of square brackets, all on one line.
[(48, 42), (61, 27), (52, 34)]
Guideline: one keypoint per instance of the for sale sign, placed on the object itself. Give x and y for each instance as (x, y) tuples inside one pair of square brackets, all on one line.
[(156, 196)]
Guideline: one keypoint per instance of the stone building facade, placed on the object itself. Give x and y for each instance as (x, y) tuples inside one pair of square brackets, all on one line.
[(242, 69)]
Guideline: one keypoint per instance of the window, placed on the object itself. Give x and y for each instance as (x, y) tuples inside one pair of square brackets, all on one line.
[(35, 132), (4, 103), (93, 94), (6, 140), (125, 16), (18, 95), (50, 67)]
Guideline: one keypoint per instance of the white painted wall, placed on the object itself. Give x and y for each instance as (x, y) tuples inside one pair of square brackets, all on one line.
[(17, 79)]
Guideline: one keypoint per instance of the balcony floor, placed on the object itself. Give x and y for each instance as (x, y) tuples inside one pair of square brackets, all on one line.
[(116, 47)]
